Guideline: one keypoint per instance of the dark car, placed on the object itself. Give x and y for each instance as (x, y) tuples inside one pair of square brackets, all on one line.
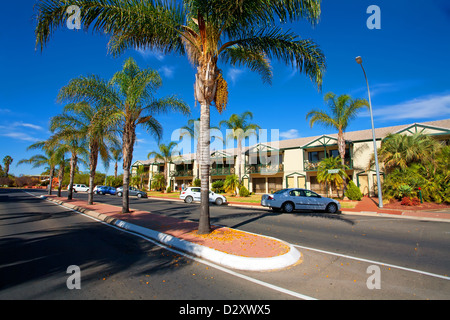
[(105, 190), (132, 192)]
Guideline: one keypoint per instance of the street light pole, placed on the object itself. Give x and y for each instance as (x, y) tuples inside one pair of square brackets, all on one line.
[(380, 197)]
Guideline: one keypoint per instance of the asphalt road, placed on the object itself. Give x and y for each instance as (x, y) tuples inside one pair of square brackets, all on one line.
[(339, 252)]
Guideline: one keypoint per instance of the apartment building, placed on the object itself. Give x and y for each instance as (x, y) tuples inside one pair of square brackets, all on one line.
[(267, 167)]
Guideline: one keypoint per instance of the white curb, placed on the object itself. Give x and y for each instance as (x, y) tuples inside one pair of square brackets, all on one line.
[(216, 256)]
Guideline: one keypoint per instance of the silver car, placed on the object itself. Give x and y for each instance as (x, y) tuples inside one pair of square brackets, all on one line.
[(291, 199), (132, 191)]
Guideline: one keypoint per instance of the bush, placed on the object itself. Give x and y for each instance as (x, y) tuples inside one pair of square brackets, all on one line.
[(197, 183), (217, 186), (243, 192), (407, 201), (169, 189), (353, 192)]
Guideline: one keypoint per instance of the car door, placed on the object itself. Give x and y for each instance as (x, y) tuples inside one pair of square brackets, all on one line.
[(297, 196), (313, 200), (196, 193)]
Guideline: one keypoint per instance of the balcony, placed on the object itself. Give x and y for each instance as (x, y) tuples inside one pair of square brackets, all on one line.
[(314, 165), (181, 173), (264, 168), (225, 171)]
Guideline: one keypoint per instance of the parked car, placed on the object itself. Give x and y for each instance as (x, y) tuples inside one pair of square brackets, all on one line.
[(291, 199), (105, 190), (193, 194), (79, 187), (132, 191)]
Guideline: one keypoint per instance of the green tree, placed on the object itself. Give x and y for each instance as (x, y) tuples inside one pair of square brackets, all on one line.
[(401, 150), (231, 184), (240, 130), (7, 160), (241, 33), (165, 154), (130, 95), (98, 124), (331, 179), (342, 110)]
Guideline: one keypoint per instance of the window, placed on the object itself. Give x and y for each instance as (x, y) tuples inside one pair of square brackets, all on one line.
[(311, 194)]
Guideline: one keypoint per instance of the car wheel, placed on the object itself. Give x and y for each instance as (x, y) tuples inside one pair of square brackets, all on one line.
[(188, 199), (119, 194), (139, 195), (219, 201), (332, 208), (288, 207)]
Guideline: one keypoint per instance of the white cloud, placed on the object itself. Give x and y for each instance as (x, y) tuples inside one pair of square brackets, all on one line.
[(233, 74), (27, 125), (434, 106), (290, 134), (167, 71), (19, 136), (148, 54)]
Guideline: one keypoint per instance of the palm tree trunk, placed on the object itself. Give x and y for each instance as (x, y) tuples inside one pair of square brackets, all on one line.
[(73, 165), (128, 145), (60, 178), (50, 185), (204, 226), (341, 146), (239, 162), (93, 157)]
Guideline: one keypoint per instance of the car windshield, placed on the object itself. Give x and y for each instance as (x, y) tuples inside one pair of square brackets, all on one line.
[(280, 191)]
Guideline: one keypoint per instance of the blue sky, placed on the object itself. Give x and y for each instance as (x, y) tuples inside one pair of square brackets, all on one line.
[(407, 62)]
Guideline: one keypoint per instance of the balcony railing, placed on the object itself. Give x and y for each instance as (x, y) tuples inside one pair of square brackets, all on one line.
[(314, 165), (181, 173), (264, 168), (225, 171)]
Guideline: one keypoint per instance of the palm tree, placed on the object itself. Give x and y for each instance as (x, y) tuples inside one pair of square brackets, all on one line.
[(130, 96), (343, 110), (400, 151), (240, 130), (335, 178), (98, 124), (7, 160), (231, 184), (68, 139), (165, 154), (192, 129), (53, 156), (116, 155), (242, 33)]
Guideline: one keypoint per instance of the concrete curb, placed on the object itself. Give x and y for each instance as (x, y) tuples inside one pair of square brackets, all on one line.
[(221, 258)]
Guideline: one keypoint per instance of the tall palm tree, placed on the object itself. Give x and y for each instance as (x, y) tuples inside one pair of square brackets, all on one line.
[(7, 160), (116, 155), (53, 156), (242, 33), (130, 97), (165, 154), (343, 110), (97, 123), (192, 129), (240, 130)]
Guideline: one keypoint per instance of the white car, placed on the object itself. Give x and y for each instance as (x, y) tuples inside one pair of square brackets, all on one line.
[(291, 199), (193, 194), (79, 187)]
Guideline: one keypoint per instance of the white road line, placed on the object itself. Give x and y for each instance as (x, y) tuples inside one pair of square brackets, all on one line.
[(375, 262), (231, 272)]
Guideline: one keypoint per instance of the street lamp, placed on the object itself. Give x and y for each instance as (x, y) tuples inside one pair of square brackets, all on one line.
[(380, 197)]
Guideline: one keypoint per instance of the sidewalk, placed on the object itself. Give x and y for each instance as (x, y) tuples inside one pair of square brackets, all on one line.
[(225, 246)]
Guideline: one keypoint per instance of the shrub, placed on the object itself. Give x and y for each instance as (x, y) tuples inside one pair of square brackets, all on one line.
[(353, 192), (243, 192), (406, 201), (197, 183), (169, 189), (217, 186), (404, 191)]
